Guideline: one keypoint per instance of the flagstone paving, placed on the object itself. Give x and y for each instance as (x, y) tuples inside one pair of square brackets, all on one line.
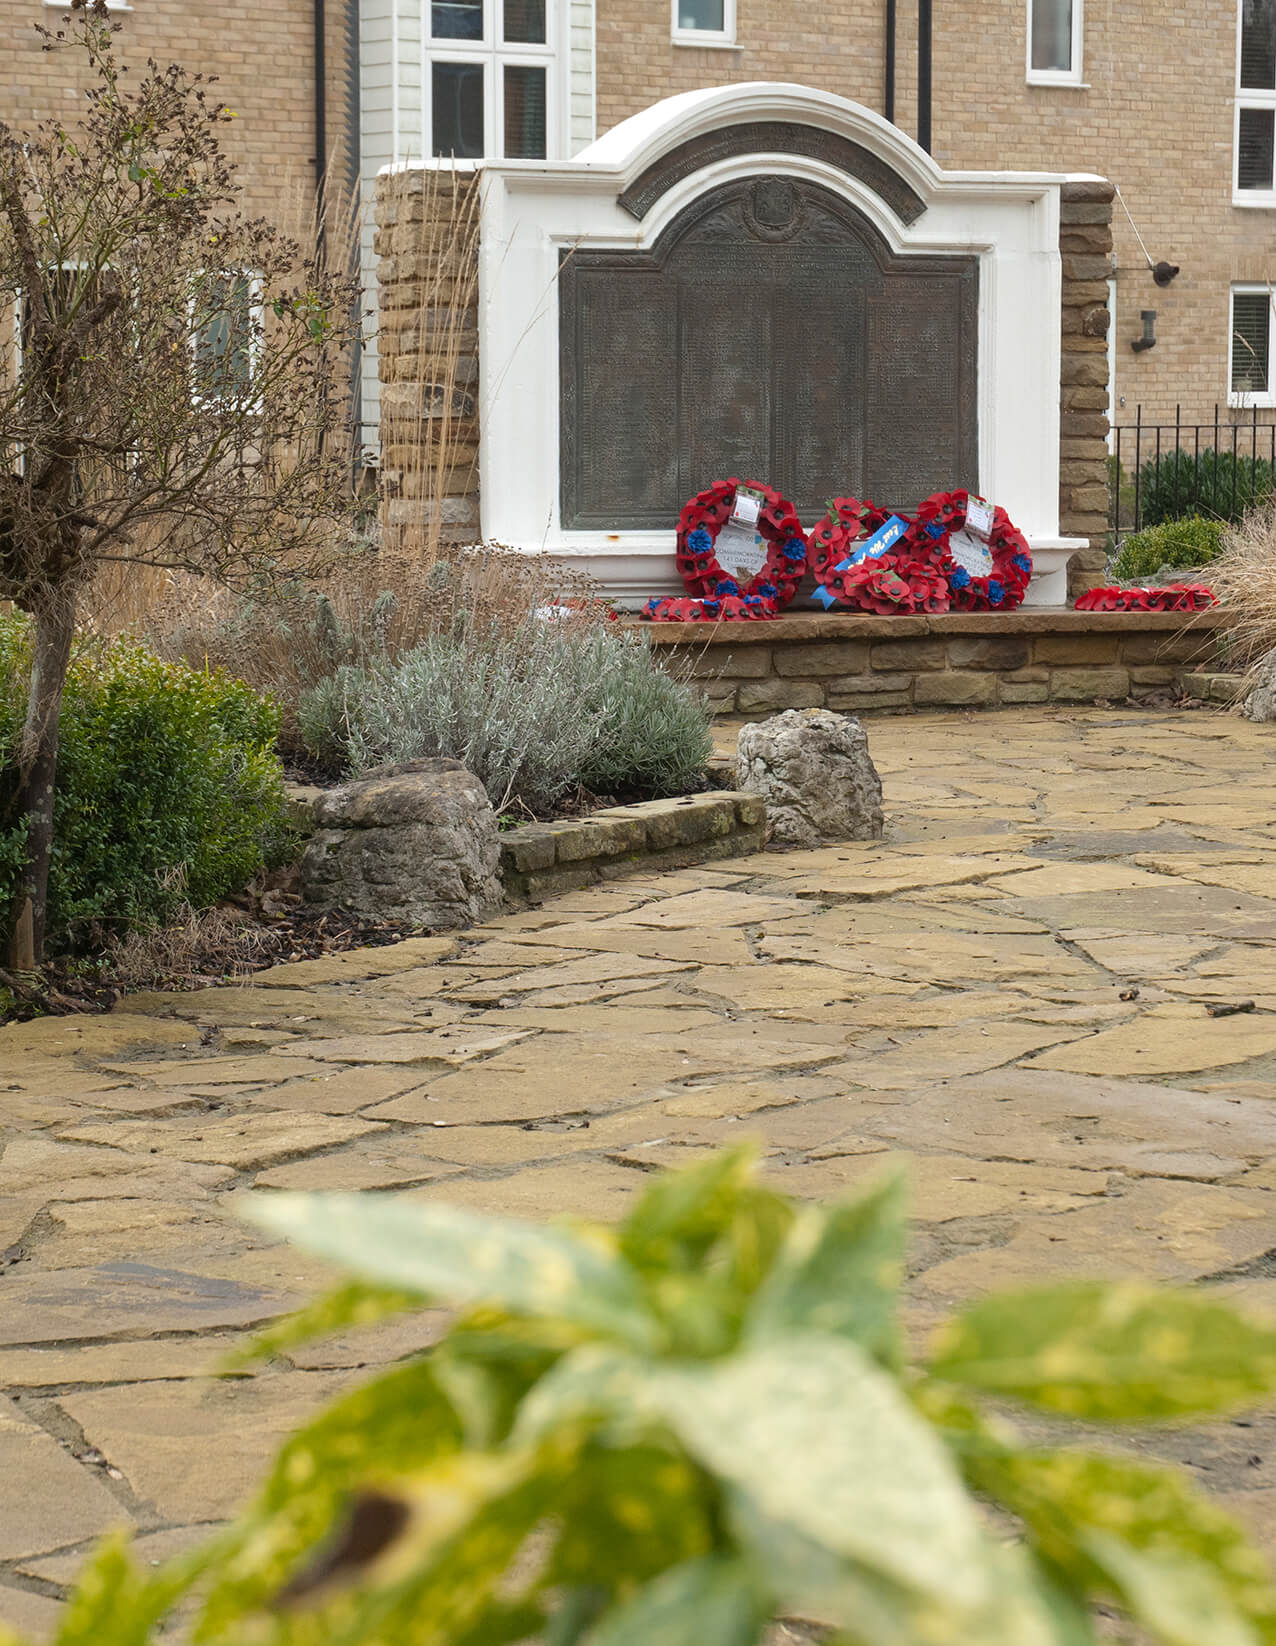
[(1008, 994)]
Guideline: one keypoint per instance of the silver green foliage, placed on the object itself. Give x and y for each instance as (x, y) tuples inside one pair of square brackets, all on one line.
[(672, 1432), (534, 712)]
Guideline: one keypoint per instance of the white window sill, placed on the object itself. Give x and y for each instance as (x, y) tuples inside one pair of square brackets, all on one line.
[(1254, 199), (704, 42), (1061, 82), (1251, 402)]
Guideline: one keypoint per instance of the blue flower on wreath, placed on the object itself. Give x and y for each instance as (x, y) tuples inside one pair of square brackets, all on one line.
[(767, 591), (652, 605), (996, 594), (934, 529), (710, 605), (699, 541), (960, 579), (727, 586), (752, 600), (1021, 563), (795, 549)]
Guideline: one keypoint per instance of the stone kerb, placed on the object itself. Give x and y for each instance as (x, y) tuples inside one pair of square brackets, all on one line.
[(428, 356), (1085, 245)]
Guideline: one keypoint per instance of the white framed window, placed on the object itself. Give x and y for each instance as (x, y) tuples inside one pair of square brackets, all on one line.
[(227, 334), (1251, 377), (490, 78), (1254, 161), (1054, 42), (703, 22)]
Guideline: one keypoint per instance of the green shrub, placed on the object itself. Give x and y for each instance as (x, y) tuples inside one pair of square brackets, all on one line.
[(533, 710), (1193, 541), (169, 790), (1221, 484), (671, 1432)]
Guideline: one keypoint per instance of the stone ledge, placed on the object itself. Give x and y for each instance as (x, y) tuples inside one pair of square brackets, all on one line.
[(540, 859), (864, 626)]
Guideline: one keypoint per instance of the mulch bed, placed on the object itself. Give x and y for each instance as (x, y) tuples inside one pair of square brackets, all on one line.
[(68, 985)]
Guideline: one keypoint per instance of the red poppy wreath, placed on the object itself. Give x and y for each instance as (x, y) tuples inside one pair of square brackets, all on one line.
[(727, 608), (991, 576), (699, 526), (1171, 597), (866, 557)]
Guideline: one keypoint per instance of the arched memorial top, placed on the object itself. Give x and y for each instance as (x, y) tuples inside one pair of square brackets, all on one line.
[(673, 140)]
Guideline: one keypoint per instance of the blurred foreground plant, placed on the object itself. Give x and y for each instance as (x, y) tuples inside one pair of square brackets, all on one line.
[(671, 1432)]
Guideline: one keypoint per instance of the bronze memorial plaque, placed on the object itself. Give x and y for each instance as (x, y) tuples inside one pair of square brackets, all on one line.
[(771, 333)]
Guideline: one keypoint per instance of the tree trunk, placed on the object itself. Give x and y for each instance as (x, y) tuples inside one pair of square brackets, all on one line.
[(37, 762)]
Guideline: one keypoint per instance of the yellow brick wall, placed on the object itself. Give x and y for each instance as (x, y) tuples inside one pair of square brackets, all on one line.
[(262, 53), (1155, 116)]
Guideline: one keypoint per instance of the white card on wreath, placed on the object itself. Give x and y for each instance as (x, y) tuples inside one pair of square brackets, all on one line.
[(741, 550), (970, 554)]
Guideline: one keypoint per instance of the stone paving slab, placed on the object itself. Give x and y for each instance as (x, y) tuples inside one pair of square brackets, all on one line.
[(1007, 994)]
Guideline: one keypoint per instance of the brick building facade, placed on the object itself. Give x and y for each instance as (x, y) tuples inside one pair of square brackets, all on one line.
[(268, 65), (1161, 100)]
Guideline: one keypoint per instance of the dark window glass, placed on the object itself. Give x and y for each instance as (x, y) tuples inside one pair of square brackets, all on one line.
[(456, 19), (456, 91), (524, 113), (701, 14), (223, 341), (1257, 141), (1258, 44), (1052, 35), (1251, 331), (525, 22)]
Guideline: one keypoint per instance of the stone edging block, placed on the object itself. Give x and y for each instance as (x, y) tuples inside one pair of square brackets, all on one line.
[(539, 859)]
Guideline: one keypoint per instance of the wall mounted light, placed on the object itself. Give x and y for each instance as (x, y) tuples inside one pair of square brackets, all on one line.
[(1148, 340), (1163, 273)]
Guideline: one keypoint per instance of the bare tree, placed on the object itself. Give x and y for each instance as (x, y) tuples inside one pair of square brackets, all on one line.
[(173, 384)]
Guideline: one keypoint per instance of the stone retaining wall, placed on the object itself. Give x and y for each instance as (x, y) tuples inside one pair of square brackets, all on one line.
[(858, 664), (541, 859)]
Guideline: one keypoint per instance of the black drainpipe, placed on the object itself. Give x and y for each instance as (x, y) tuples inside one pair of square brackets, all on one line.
[(889, 99), (923, 72), (321, 132)]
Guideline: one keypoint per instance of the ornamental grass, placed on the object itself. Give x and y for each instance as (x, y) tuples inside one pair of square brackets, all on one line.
[(1244, 579)]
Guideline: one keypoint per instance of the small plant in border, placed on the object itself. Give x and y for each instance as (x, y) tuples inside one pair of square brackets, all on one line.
[(671, 1432)]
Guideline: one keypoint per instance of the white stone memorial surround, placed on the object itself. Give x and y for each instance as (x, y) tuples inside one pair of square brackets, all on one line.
[(534, 212)]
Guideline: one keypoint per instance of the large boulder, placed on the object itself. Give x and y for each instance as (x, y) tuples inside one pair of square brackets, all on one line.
[(417, 842), (1260, 704), (815, 773)]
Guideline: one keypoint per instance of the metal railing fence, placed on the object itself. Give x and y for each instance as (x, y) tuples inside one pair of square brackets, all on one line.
[(1161, 471)]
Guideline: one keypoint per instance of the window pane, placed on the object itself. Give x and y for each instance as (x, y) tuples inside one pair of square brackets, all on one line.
[(456, 19), (524, 113), (1251, 332), (525, 22), (223, 344), (457, 101), (1257, 140), (702, 14), (1258, 44), (1052, 34)]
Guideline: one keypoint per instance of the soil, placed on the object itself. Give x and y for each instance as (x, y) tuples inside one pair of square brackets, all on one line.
[(246, 941)]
